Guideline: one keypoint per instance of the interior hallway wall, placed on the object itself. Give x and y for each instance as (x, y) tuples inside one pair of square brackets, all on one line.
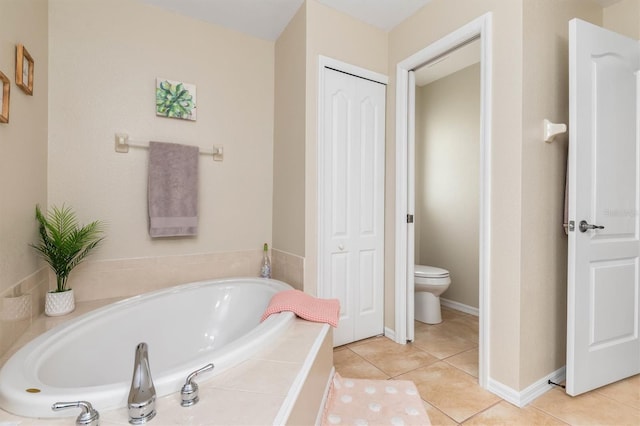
[(623, 17), (544, 244), (437, 19), (338, 36), (105, 58), (447, 166), (23, 163), (525, 283), (289, 136)]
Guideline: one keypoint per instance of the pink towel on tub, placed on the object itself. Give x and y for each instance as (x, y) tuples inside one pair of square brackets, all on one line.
[(305, 306)]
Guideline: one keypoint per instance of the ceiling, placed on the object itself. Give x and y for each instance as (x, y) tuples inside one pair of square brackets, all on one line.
[(266, 19)]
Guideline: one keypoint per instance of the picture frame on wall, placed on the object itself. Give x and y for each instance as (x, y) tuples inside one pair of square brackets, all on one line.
[(24, 70), (175, 99), (4, 98)]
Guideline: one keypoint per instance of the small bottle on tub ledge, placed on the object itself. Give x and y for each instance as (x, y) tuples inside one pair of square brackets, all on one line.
[(265, 269)]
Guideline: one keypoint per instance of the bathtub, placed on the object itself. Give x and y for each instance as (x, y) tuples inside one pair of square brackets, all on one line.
[(186, 327)]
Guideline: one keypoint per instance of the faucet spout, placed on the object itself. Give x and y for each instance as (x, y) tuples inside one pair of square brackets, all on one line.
[(142, 395)]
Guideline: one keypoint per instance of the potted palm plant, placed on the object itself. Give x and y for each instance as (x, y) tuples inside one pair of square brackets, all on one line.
[(63, 245)]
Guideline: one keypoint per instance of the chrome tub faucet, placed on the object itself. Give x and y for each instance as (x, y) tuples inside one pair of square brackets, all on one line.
[(142, 395)]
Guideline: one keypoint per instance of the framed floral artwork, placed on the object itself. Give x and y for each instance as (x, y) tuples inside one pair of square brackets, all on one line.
[(24, 70), (4, 98), (175, 99)]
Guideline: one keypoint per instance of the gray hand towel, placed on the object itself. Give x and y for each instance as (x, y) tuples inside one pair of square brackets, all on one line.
[(173, 190)]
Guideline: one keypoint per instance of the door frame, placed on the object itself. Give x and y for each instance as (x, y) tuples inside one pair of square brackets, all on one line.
[(325, 62), (405, 194)]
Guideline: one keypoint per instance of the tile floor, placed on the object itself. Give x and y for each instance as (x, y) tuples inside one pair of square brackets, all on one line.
[(443, 363)]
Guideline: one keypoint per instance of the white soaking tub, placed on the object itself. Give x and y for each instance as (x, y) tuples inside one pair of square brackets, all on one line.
[(91, 357)]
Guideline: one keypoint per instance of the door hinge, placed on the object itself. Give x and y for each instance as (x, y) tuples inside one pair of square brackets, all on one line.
[(409, 218)]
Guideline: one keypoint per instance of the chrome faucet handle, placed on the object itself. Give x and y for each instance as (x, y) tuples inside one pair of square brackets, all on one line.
[(88, 416), (189, 391)]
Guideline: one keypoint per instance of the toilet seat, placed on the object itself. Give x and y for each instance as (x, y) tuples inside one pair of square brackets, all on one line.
[(423, 271)]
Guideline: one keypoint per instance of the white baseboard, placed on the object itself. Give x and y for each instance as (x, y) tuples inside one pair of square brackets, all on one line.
[(527, 395), (391, 334), (460, 306)]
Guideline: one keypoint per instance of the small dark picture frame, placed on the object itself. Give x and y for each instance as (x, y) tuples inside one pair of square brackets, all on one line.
[(4, 98), (24, 70)]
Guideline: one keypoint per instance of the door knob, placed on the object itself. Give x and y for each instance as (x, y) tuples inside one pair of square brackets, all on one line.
[(584, 226), (340, 247)]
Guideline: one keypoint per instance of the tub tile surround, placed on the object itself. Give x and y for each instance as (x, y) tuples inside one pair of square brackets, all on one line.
[(288, 267), (94, 280), (258, 391), (20, 306)]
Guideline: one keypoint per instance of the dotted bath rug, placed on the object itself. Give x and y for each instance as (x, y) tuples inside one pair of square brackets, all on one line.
[(362, 402)]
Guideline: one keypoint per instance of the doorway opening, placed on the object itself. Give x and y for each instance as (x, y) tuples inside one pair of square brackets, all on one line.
[(479, 29)]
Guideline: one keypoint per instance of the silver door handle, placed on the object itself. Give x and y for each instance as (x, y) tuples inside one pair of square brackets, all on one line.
[(584, 226)]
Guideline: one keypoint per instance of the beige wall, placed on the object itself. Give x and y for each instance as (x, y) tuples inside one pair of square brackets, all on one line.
[(527, 254), (623, 17), (544, 244), (23, 169), (435, 20), (105, 57), (23, 163), (289, 136), (447, 167), (338, 36)]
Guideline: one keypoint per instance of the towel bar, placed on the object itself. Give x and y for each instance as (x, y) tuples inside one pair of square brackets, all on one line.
[(123, 144)]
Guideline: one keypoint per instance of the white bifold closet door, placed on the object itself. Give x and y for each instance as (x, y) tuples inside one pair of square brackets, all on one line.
[(352, 204)]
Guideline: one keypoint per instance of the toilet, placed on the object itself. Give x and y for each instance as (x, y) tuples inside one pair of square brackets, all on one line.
[(430, 283)]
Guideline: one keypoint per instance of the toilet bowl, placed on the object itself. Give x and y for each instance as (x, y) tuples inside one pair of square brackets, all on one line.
[(430, 283)]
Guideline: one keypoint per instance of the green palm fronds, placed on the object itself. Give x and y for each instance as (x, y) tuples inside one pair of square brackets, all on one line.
[(63, 243)]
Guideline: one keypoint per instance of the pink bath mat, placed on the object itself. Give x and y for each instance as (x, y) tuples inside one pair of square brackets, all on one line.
[(362, 402)]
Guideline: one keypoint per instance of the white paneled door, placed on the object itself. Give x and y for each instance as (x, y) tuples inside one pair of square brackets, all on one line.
[(351, 202), (603, 301)]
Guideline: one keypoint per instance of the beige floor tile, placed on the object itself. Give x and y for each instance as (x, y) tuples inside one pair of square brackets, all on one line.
[(626, 391), (504, 413), (393, 358), (466, 327), (588, 409), (449, 314), (452, 394), (465, 361), (441, 343), (450, 390), (351, 365), (365, 341), (437, 417)]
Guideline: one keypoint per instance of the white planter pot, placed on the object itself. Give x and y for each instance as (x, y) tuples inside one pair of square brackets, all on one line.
[(56, 304)]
